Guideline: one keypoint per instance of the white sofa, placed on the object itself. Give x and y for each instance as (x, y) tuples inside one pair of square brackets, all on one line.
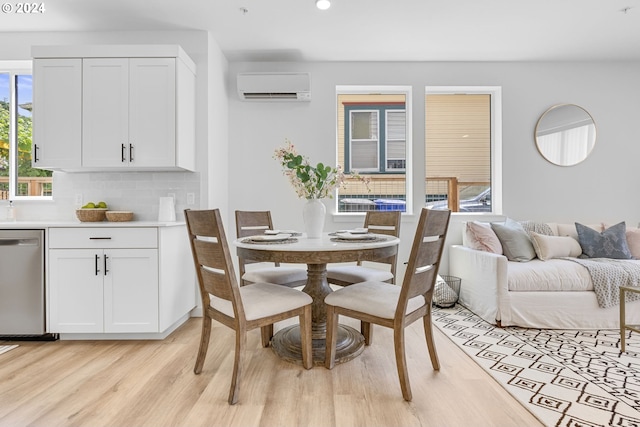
[(549, 294)]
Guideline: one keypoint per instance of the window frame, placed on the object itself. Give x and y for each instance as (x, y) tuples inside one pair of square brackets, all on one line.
[(496, 138), (15, 69), (386, 141), (348, 167), (381, 110), (407, 92)]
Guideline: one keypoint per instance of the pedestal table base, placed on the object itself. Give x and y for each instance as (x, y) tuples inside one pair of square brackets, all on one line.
[(286, 344)]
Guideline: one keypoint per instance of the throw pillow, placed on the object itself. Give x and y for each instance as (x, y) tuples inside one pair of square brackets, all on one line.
[(481, 237), (548, 247), (611, 243), (536, 227), (633, 241), (516, 244)]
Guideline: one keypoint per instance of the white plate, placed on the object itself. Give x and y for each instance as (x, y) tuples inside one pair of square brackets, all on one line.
[(270, 238), (355, 231), (357, 236), (272, 232)]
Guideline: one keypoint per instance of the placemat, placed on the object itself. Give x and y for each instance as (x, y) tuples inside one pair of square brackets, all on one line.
[(267, 242), (377, 239)]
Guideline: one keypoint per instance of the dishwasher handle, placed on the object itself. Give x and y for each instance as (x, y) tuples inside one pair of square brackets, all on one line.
[(19, 242)]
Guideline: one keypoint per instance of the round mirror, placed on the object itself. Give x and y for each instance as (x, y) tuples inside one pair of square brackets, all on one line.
[(565, 134)]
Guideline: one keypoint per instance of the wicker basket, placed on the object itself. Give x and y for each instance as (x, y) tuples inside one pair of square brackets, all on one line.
[(91, 215), (119, 216), (446, 291)]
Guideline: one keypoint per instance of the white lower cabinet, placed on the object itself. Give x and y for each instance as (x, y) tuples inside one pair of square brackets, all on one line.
[(114, 290), (106, 280)]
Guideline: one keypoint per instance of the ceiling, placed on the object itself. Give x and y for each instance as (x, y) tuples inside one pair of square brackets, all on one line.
[(368, 30)]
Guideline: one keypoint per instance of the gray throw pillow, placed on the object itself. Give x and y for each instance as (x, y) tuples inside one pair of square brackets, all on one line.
[(611, 243), (516, 244)]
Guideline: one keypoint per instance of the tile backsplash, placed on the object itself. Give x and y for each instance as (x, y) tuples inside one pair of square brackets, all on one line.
[(139, 192)]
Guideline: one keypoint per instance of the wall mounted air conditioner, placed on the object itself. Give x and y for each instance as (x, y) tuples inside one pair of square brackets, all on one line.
[(274, 86)]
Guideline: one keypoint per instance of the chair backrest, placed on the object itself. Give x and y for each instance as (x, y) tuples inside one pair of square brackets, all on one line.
[(212, 259), (424, 260), (250, 223), (384, 222)]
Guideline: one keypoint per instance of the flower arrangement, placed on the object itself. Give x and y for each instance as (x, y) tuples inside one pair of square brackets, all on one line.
[(308, 181)]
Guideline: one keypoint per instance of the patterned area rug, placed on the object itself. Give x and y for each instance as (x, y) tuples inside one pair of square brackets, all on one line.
[(563, 377), (5, 348)]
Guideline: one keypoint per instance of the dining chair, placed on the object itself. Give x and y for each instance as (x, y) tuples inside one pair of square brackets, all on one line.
[(240, 308), (250, 223), (396, 307), (380, 222)]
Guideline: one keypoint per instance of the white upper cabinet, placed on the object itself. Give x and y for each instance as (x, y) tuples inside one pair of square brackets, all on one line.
[(129, 112), (137, 111), (57, 100)]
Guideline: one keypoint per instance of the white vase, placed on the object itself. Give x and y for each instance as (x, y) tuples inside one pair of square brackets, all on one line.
[(313, 214)]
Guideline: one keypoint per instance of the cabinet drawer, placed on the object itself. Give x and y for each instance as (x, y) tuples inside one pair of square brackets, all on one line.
[(72, 237)]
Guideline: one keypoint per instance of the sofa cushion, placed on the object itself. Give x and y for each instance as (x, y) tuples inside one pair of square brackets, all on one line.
[(550, 275), (548, 247), (610, 243), (560, 229), (516, 244), (480, 236)]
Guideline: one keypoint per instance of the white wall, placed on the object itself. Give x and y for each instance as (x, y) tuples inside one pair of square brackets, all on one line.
[(211, 126), (602, 188), (215, 164)]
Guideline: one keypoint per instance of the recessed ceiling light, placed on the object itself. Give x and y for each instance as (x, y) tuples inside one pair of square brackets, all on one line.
[(323, 4)]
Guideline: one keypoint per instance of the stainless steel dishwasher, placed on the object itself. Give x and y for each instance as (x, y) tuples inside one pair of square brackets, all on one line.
[(22, 300)]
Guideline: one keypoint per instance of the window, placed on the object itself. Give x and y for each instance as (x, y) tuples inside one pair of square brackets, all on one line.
[(374, 141), (17, 178), (462, 146), (374, 145)]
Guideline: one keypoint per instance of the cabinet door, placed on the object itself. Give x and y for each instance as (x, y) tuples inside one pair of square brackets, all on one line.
[(152, 112), (57, 113), (105, 131), (75, 291), (131, 290)]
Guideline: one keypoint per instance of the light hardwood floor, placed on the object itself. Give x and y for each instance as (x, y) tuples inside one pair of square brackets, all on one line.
[(151, 383)]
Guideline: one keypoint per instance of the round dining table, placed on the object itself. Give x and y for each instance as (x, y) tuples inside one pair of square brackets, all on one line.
[(317, 253)]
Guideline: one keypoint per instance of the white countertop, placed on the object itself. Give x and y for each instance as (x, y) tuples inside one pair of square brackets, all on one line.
[(41, 224)]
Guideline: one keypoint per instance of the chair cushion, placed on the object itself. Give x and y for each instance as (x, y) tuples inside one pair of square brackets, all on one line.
[(375, 298), (357, 274), (277, 275), (263, 300)]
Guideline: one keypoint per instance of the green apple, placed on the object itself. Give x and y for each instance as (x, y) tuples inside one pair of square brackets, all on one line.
[(102, 205), (89, 205)]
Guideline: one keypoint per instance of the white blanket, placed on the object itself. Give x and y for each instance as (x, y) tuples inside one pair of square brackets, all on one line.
[(608, 275)]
